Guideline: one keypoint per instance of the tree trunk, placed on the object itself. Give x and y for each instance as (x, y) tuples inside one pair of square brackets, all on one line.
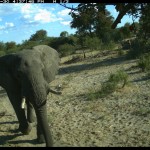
[(84, 56)]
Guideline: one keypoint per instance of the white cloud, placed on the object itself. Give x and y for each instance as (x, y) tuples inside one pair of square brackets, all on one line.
[(66, 23), (7, 25), (2, 27), (26, 16), (9, 9), (35, 14), (44, 16), (26, 9), (63, 12)]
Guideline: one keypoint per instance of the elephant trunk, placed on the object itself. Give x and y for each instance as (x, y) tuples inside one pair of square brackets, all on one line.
[(41, 114), (36, 92)]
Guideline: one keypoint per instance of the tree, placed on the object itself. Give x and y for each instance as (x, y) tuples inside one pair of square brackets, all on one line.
[(2, 46), (144, 23), (39, 36), (2, 49), (64, 34), (10, 45), (126, 31), (134, 9), (92, 22), (27, 44)]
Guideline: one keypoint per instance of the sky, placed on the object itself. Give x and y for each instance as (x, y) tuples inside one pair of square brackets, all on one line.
[(19, 21)]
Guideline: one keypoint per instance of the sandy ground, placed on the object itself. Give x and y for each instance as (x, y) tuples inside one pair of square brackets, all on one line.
[(120, 119)]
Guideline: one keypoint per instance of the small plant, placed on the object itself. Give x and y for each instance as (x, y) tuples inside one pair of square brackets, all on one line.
[(144, 62), (115, 81), (120, 52), (120, 77)]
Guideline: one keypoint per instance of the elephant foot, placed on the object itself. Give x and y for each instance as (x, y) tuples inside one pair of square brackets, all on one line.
[(26, 130), (41, 139)]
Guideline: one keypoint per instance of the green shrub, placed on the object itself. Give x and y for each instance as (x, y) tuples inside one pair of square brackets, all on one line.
[(120, 52), (120, 78), (93, 43), (144, 62), (66, 49), (138, 48), (115, 81), (2, 53)]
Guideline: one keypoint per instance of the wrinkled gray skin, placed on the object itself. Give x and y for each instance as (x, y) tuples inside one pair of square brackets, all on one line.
[(27, 74)]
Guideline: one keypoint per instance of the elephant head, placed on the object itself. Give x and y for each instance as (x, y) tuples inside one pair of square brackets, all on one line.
[(26, 76)]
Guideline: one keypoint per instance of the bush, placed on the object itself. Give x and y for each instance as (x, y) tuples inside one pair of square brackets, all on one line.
[(109, 46), (115, 81), (144, 62), (138, 47), (66, 49), (120, 52), (93, 43), (120, 78), (2, 53)]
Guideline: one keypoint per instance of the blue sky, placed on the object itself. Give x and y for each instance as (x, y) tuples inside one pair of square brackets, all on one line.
[(19, 21)]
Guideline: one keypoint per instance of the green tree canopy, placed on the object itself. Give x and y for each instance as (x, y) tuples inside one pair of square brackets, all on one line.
[(92, 21), (39, 36), (64, 34), (10, 45)]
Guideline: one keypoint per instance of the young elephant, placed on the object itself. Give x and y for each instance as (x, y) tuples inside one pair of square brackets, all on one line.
[(25, 77)]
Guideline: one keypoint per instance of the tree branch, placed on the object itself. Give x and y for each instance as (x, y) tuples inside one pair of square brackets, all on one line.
[(121, 14), (64, 5)]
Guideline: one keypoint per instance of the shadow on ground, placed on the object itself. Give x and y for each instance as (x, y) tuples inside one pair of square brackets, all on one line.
[(9, 122), (6, 138), (145, 78), (33, 141), (79, 68)]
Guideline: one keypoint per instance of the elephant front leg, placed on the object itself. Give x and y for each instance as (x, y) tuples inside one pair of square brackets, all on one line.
[(43, 127), (15, 100)]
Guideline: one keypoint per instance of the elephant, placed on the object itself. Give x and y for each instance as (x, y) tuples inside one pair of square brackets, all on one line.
[(25, 76)]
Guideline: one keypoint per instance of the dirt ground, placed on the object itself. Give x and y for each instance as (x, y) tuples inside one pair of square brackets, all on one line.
[(120, 119)]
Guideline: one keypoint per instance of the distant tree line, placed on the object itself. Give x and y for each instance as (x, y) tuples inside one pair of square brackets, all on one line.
[(67, 43), (95, 30)]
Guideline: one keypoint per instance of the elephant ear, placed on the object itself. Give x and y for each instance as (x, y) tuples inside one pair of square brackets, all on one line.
[(50, 60), (7, 65)]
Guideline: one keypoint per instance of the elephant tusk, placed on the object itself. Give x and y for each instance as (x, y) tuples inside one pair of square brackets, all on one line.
[(23, 103)]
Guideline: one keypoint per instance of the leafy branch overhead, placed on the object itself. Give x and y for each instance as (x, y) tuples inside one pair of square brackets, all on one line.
[(134, 9)]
